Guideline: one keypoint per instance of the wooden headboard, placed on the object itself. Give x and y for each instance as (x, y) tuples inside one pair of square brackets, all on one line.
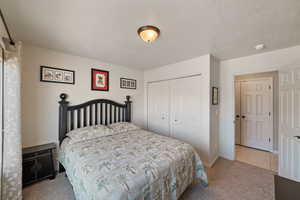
[(94, 112)]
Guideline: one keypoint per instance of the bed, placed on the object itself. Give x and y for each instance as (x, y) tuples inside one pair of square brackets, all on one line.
[(105, 156)]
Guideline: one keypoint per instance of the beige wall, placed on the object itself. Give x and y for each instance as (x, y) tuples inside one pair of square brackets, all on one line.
[(40, 99), (3, 32), (274, 76)]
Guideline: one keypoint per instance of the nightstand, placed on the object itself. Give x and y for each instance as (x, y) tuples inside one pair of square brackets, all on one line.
[(38, 163)]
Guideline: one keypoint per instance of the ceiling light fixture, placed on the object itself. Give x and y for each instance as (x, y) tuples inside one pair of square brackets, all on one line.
[(148, 33), (259, 47)]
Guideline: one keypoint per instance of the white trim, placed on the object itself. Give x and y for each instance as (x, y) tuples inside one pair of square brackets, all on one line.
[(210, 164), (170, 79), (275, 152), (2, 45), (255, 79)]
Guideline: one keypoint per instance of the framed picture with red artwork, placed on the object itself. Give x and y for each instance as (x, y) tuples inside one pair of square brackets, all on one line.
[(100, 80)]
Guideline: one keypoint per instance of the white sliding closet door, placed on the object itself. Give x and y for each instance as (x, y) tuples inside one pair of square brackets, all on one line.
[(159, 107), (185, 109)]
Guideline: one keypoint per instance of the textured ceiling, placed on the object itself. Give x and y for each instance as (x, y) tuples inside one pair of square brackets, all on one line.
[(106, 29)]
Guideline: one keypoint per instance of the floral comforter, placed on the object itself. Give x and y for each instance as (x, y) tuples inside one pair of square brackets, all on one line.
[(135, 165)]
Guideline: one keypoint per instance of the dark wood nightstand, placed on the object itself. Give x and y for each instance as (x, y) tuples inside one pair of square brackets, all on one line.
[(38, 163), (286, 189)]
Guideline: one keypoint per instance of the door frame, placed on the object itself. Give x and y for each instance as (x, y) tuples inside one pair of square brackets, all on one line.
[(272, 112), (235, 111)]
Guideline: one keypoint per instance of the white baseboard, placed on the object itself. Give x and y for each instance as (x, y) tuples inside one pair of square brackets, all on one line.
[(275, 152), (210, 164)]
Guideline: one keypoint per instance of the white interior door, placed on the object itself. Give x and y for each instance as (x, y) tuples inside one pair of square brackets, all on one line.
[(289, 124), (237, 112), (257, 112), (186, 110), (159, 107)]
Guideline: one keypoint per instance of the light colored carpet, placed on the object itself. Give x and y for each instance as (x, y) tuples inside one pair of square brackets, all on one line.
[(229, 180)]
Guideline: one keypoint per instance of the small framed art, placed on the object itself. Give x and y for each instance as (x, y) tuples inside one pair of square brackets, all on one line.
[(100, 80), (215, 96), (57, 75), (127, 83)]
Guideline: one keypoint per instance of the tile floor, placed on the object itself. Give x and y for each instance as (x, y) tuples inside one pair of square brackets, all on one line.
[(262, 159)]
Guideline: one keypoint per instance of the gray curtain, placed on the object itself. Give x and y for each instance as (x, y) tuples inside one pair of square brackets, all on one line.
[(11, 162)]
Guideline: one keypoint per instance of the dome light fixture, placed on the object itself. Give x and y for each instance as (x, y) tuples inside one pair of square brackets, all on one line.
[(260, 46), (148, 33)]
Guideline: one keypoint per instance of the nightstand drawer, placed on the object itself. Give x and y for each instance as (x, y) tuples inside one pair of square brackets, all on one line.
[(29, 174), (44, 166), (43, 152), (28, 156)]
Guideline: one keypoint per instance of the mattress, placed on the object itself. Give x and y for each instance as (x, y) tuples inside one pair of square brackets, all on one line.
[(134, 165)]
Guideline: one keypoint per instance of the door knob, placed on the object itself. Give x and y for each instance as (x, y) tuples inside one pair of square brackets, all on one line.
[(243, 116), (237, 116)]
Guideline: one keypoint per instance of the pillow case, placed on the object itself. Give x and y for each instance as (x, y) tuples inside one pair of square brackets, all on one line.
[(121, 127), (89, 132)]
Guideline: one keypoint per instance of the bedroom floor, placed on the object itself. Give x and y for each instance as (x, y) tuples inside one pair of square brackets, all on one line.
[(229, 180), (262, 159)]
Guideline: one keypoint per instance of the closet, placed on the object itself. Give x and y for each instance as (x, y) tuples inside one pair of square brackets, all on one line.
[(159, 107), (179, 104), (174, 108)]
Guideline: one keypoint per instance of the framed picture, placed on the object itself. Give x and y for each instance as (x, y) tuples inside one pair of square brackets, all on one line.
[(57, 75), (100, 80), (215, 96), (127, 83)]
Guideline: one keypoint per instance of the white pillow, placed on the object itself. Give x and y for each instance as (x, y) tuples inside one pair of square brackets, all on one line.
[(89, 132), (121, 127)]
